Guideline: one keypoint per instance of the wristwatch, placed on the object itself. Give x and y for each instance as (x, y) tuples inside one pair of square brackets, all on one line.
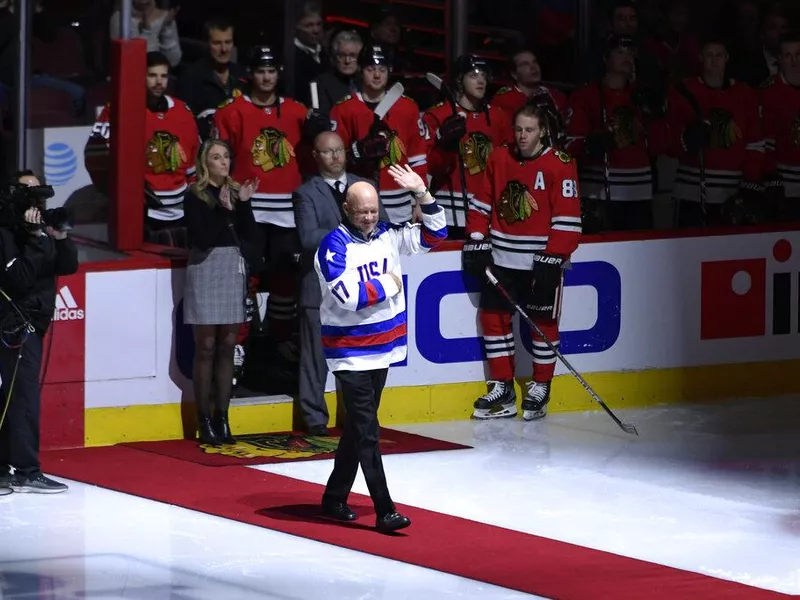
[(420, 194)]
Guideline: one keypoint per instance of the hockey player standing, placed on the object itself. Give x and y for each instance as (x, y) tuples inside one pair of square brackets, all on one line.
[(780, 114), (527, 222), (526, 72), (718, 133), (170, 152), (264, 131), (375, 145), (463, 141), (613, 141)]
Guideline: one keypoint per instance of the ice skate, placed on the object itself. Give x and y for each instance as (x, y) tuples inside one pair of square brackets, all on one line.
[(534, 405), (499, 402)]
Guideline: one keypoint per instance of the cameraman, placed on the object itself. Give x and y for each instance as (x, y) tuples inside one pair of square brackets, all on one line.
[(31, 257)]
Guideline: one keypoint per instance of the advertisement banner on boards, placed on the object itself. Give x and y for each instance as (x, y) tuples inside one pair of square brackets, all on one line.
[(56, 154)]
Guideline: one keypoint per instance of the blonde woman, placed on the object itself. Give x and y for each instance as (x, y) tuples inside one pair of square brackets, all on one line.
[(219, 224)]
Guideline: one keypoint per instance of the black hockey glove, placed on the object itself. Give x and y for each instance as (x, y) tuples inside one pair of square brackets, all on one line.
[(746, 207), (451, 131), (371, 148), (475, 257), (597, 144), (696, 137), (544, 101), (545, 287), (315, 124)]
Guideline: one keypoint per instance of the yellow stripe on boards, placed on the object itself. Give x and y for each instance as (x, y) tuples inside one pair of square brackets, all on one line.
[(449, 402)]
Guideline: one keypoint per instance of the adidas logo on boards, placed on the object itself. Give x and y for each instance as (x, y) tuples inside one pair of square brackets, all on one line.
[(66, 307)]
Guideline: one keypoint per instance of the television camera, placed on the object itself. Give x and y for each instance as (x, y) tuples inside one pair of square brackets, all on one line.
[(17, 198)]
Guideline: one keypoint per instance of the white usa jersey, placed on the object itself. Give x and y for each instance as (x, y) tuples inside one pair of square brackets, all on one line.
[(363, 312)]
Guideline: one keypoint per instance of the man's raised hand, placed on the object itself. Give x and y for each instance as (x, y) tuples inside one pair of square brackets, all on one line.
[(407, 179)]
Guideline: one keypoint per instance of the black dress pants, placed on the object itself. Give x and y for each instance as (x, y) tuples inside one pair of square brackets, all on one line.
[(313, 370), (359, 444), (19, 435)]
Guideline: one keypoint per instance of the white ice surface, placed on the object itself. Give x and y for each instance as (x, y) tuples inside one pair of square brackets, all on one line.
[(713, 489)]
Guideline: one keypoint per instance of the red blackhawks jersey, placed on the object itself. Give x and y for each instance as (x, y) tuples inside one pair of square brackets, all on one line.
[(527, 206), (485, 129), (780, 118), (736, 148), (352, 119), (170, 155), (629, 162), (264, 142), (511, 99)]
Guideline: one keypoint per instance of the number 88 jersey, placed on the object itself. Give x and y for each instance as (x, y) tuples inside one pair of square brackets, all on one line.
[(526, 206)]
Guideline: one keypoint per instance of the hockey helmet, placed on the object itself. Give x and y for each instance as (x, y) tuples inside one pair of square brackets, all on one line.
[(468, 63), (371, 54), (264, 56)]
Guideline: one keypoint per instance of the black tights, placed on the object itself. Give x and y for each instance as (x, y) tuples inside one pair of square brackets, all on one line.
[(213, 363)]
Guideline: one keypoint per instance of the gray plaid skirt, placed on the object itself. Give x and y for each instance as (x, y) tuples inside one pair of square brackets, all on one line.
[(214, 290)]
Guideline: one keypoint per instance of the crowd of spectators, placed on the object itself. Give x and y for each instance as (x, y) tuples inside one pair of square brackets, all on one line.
[(621, 111)]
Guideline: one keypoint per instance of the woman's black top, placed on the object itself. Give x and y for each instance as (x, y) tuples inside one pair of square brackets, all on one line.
[(209, 226)]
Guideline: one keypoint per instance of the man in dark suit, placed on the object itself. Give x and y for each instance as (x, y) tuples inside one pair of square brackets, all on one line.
[(310, 58), (758, 66), (317, 209), (338, 81)]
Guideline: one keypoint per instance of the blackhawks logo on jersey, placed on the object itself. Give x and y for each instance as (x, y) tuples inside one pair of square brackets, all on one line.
[(625, 126), (724, 131), (475, 149), (397, 151), (164, 153), (271, 150), (516, 203), (564, 157)]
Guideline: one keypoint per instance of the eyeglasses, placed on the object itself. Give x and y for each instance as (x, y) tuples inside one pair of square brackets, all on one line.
[(345, 56), (331, 152)]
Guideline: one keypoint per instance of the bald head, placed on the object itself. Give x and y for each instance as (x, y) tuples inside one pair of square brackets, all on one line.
[(330, 155), (325, 139), (361, 206)]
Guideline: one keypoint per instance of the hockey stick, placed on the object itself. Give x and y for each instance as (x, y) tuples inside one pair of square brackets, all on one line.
[(390, 98), (606, 160), (440, 85), (683, 91), (626, 427)]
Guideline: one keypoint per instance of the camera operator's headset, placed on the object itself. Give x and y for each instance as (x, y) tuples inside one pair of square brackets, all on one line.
[(15, 328)]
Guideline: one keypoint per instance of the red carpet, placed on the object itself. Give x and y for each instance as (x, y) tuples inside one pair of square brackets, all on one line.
[(453, 545), (267, 448)]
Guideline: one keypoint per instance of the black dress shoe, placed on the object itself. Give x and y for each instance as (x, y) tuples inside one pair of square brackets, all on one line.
[(339, 511), (320, 430), (207, 433), (222, 428), (392, 522)]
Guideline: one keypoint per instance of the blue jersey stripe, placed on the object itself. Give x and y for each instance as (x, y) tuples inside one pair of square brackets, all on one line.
[(331, 353), (364, 329)]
